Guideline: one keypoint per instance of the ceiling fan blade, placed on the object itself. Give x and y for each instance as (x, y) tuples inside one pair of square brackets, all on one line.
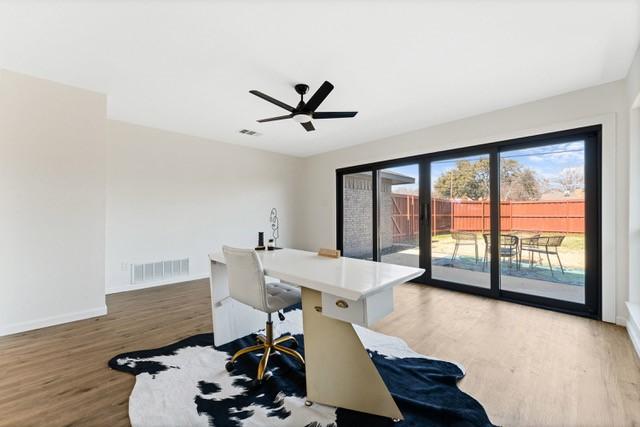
[(273, 119), (317, 98), (334, 114), (272, 100), (308, 126)]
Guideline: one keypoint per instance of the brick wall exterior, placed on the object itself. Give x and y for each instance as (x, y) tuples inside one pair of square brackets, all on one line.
[(357, 215)]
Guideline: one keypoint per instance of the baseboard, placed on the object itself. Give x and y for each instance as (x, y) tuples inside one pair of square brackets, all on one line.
[(15, 328), (621, 321), (633, 325), (127, 288)]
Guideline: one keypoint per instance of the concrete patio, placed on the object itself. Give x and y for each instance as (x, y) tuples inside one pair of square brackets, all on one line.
[(537, 280)]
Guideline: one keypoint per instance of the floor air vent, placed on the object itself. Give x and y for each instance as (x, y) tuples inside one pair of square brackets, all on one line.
[(159, 271)]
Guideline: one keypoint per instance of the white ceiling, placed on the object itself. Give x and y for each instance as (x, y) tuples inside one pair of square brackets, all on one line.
[(404, 65)]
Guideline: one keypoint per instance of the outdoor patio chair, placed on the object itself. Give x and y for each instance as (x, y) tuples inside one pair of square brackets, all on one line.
[(528, 240), (463, 238), (509, 248), (544, 245)]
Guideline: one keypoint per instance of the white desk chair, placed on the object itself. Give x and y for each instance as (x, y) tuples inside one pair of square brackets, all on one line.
[(247, 284)]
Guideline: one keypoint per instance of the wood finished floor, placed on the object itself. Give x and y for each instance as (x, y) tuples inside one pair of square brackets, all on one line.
[(526, 366)]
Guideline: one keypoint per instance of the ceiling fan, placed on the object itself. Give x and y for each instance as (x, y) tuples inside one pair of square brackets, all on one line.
[(304, 112)]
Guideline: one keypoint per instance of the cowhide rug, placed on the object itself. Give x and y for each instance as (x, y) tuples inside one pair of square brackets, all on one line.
[(186, 384)]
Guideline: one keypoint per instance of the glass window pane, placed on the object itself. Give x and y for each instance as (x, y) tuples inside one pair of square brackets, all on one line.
[(542, 210), (357, 223), (399, 222), (460, 221)]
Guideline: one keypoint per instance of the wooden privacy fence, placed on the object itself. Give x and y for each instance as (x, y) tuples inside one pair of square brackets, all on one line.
[(557, 216)]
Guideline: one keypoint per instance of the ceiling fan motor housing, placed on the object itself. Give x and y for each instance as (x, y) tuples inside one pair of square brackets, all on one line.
[(302, 88)]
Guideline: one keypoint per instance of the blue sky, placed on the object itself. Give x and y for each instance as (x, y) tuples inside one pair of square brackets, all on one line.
[(548, 162), (410, 170)]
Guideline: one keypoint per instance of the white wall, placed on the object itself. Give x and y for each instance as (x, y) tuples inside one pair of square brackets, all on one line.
[(175, 196), (52, 203), (604, 104), (633, 104)]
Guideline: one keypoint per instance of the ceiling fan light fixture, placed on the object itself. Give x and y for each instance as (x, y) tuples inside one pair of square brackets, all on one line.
[(302, 118)]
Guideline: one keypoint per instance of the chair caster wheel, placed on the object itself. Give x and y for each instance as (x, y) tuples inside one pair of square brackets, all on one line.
[(229, 366), (256, 383), (308, 403)]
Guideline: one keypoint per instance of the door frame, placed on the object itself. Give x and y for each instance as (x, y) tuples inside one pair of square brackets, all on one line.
[(593, 215)]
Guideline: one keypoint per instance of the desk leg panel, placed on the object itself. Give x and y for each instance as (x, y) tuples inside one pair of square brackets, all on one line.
[(339, 371)]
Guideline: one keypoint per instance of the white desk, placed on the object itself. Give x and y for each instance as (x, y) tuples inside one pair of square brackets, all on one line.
[(335, 294)]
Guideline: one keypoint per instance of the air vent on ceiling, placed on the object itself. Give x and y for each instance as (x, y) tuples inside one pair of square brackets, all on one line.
[(250, 132)]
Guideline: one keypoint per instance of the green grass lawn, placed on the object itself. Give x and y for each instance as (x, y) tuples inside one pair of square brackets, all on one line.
[(573, 242)]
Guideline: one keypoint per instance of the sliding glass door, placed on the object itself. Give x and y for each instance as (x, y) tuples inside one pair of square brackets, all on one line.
[(517, 220), (542, 212), (399, 214), (460, 220), (380, 214)]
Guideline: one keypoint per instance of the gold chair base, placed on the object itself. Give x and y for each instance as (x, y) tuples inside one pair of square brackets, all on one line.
[(267, 346)]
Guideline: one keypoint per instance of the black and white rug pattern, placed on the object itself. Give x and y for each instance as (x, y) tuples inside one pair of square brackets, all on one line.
[(186, 384)]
